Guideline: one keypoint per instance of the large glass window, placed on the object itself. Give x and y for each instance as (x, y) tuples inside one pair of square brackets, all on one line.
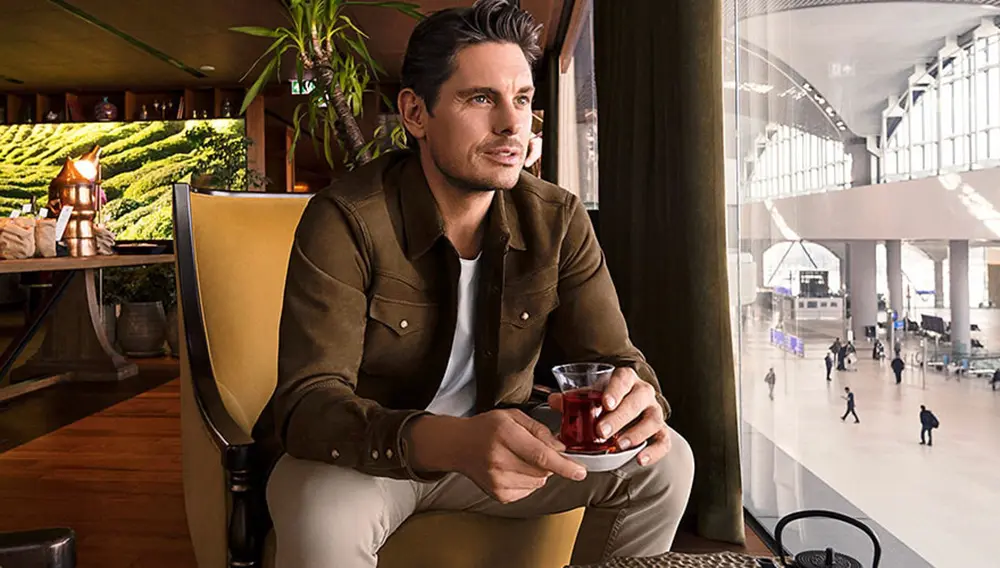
[(823, 103), (578, 114), (948, 119), (789, 161)]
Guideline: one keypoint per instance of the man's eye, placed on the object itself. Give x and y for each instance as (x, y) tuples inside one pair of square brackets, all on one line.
[(524, 100), (481, 99)]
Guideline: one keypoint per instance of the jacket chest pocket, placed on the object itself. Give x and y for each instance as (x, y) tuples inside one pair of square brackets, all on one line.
[(522, 327), (399, 336)]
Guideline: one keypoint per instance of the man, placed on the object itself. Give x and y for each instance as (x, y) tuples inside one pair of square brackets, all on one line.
[(995, 380), (419, 289), (829, 365), (897, 368), (928, 422), (849, 397), (770, 379)]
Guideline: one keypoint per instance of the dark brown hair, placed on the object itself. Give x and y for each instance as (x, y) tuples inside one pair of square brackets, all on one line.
[(436, 41)]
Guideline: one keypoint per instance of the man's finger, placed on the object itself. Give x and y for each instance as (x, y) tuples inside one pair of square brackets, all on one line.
[(658, 447), (537, 453), (647, 427), (629, 409), (538, 430), (618, 387), (556, 401)]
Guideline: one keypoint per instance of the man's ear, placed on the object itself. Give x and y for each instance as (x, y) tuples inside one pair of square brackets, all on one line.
[(413, 113)]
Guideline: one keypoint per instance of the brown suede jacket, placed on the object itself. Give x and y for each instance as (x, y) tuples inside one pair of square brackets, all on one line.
[(371, 302)]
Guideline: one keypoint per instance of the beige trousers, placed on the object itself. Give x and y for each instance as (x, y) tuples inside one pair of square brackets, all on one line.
[(325, 515)]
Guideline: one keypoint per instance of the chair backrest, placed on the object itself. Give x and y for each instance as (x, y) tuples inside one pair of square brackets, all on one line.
[(240, 245)]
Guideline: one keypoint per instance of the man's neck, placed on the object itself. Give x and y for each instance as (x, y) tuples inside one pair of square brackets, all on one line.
[(463, 211)]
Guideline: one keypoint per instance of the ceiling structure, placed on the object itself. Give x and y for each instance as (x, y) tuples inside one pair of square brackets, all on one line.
[(857, 54), (54, 45)]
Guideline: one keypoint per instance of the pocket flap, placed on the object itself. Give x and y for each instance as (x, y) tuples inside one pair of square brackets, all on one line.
[(402, 317), (529, 309)]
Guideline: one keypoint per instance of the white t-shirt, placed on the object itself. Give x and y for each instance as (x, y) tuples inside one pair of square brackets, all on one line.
[(457, 394)]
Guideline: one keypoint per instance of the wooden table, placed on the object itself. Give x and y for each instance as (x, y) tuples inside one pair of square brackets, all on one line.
[(76, 346)]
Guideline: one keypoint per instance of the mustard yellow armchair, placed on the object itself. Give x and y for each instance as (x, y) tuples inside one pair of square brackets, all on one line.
[(232, 255)]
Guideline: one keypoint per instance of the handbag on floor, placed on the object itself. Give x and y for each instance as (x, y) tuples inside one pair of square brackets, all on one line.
[(807, 559)]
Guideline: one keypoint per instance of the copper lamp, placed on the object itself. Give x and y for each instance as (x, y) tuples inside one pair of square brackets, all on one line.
[(77, 185)]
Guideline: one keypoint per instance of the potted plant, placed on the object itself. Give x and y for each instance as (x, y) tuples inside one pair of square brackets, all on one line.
[(143, 292), (332, 62)]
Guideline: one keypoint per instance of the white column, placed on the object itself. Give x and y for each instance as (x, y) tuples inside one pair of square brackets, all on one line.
[(958, 267), (938, 283), (894, 271), (862, 289)]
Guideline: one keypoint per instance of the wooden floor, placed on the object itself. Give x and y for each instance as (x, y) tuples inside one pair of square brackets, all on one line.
[(115, 478)]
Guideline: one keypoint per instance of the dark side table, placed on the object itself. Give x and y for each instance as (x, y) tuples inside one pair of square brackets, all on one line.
[(44, 548)]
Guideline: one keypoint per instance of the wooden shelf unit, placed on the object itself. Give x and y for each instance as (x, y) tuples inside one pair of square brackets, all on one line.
[(78, 106)]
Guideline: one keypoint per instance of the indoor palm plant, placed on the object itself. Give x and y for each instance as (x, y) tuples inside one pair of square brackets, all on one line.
[(332, 62)]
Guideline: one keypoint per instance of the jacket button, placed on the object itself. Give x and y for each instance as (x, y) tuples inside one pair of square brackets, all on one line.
[(334, 454), (388, 454), (488, 353), (524, 316), (404, 324), (374, 454)]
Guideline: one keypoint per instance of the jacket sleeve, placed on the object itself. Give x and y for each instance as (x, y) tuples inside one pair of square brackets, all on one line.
[(588, 325), (317, 414)]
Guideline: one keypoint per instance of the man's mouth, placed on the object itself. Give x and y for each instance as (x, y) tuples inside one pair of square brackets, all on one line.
[(506, 155)]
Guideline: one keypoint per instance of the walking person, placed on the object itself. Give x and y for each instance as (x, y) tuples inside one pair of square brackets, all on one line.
[(928, 422), (897, 367), (829, 364), (770, 379), (996, 379), (849, 397)]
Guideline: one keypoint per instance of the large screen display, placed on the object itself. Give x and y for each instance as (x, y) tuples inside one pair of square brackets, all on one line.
[(140, 162)]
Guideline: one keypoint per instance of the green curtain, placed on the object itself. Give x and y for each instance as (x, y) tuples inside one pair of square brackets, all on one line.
[(658, 66)]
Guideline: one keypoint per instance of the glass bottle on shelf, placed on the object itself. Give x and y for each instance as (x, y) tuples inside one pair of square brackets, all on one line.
[(227, 108), (144, 113)]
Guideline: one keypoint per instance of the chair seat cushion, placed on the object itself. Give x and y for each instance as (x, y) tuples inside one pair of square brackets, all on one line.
[(471, 540)]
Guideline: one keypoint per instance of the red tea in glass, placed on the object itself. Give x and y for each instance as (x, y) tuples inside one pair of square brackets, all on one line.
[(582, 386), (581, 410)]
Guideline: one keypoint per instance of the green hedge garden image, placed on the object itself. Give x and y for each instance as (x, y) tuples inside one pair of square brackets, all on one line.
[(141, 161)]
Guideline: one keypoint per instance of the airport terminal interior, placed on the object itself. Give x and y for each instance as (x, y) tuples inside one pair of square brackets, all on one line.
[(862, 182), (856, 188)]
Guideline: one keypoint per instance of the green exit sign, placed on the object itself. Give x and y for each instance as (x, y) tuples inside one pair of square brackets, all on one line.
[(303, 87)]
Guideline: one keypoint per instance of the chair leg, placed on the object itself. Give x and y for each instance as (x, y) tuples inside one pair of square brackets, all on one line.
[(248, 515)]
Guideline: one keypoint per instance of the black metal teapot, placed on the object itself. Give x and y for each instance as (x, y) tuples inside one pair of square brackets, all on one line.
[(828, 558)]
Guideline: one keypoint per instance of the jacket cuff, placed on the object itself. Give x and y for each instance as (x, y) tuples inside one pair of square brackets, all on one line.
[(403, 451), (371, 441)]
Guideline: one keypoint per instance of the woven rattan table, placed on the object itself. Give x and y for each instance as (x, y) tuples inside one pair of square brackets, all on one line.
[(679, 560)]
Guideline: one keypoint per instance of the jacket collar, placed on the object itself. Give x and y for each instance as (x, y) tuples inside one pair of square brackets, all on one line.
[(422, 221)]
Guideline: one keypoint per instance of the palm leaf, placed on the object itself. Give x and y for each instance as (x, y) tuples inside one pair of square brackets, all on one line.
[(255, 31), (258, 84), (408, 8)]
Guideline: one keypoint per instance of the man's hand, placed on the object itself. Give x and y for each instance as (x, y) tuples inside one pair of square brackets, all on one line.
[(506, 453), (627, 398)]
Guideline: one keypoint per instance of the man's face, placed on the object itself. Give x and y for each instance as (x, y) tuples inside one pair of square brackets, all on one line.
[(478, 134)]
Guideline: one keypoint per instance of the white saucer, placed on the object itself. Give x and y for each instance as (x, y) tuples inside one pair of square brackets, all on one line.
[(605, 462), (594, 463)]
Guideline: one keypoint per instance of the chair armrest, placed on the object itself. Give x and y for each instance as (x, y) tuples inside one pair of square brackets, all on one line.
[(54, 548), (248, 520)]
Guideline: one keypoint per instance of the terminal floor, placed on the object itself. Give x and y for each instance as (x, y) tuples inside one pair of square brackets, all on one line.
[(943, 502)]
